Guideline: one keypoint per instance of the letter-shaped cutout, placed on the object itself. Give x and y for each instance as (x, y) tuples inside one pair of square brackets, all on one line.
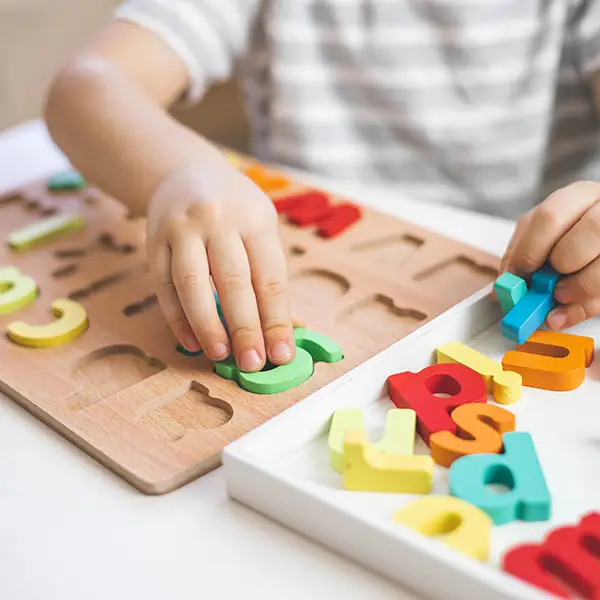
[(531, 311), (16, 290), (418, 391), (552, 360), (314, 208), (309, 345), (479, 430), (509, 290), (568, 555), (452, 521), (398, 438), (71, 322), (371, 470), (43, 231), (505, 386), (528, 498)]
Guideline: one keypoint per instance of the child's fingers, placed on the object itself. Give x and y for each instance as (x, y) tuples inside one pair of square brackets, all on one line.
[(581, 287), (518, 232), (189, 266), (269, 278), (571, 315), (580, 245), (580, 295), (549, 222), (160, 261), (231, 273)]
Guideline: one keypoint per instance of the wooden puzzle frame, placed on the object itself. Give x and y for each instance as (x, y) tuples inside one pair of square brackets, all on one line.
[(156, 417)]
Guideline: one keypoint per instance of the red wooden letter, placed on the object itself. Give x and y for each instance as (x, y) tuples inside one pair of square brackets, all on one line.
[(418, 391), (314, 208), (569, 555), (340, 218)]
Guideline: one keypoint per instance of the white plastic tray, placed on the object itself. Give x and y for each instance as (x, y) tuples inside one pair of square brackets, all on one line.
[(282, 468)]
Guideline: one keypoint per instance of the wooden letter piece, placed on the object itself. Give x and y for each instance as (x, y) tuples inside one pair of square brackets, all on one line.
[(552, 360), (309, 346), (319, 346), (314, 208), (398, 438), (70, 180), (509, 290), (569, 555), (371, 470), (528, 498), (531, 311), (505, 386), (266, 180), (43, 231), (479, 430), (71, 322), (452, 521), (271, 381), (418, 391), (16, 290)]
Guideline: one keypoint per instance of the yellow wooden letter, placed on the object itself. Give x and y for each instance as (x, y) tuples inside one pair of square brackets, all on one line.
[(71, 322), (43, 231), (453, 521), (398, 437), (504, 385), (343, 419), (371, 470), (16, 290)]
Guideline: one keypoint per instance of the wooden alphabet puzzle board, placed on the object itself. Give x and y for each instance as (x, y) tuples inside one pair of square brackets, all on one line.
[(156, 417)]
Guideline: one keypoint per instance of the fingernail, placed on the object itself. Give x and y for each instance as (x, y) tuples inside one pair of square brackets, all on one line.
[(562, 295), (220, 351), (280, 352), (250, 361), (557, 319), (190, 343)]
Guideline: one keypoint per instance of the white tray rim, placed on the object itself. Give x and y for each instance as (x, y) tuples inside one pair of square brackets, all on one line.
[(399, 554)]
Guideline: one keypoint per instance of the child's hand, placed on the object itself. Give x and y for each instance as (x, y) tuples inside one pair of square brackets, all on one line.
[(220, 225), (565, 229)]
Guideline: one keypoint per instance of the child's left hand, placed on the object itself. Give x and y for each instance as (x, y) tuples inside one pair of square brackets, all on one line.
[(565, 230)]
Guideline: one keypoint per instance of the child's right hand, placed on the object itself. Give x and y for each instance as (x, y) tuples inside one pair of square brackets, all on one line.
[(220, 225)]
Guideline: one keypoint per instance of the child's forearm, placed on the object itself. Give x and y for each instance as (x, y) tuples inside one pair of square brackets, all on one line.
[(119, 136)]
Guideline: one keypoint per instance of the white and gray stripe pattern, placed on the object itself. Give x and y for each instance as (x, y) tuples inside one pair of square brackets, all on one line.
[(485, 104)]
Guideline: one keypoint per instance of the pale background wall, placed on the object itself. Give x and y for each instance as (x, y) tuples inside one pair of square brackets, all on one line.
[(37, 35)]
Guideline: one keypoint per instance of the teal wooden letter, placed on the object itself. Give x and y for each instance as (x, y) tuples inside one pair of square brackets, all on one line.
[(509, 290), (528, 498), (67, 180)]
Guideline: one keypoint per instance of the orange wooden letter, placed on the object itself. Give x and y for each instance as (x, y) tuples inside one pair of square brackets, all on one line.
[(479, 429), (551, 360)]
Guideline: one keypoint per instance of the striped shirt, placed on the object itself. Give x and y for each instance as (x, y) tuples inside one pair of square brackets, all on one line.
[(484, 104)]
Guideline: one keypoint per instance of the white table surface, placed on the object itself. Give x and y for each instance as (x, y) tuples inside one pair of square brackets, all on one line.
[(71, 530)]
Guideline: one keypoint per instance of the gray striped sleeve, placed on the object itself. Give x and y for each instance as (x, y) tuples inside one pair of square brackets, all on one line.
[(207, 34), (587, 34)]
